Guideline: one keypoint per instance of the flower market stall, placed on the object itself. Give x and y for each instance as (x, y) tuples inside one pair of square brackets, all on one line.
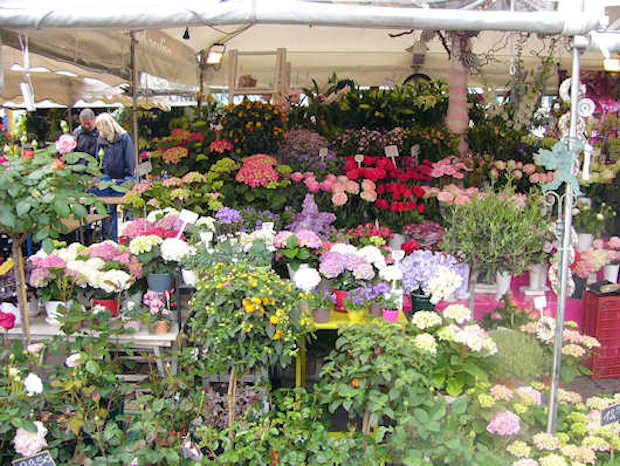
[(335, 275)]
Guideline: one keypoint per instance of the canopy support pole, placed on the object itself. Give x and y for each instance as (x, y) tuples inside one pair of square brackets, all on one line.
[(566, 244), (134, 88)]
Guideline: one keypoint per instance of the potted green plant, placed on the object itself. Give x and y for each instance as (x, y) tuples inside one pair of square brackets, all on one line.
[(501, 231), (391, 305), (357, 302), (320, 302), (589, 222), (133, 313), (37, 188)]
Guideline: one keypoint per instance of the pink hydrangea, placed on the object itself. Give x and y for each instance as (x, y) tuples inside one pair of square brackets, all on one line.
[(220, 146), (545, 441), (169, 222), (137, 227), (172, 182), (309, 239), (38, 275), (256, 174), (106, 251), (52, 262), (504, 423), (280, 240), (531, 394), (501, 392)]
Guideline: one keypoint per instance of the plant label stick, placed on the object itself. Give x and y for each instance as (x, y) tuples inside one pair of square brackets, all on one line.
[(323, 153), (415, 152), (391, 152), (359, 158)]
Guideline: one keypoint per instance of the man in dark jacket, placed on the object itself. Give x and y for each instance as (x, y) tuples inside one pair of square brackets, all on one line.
[(86, 134)]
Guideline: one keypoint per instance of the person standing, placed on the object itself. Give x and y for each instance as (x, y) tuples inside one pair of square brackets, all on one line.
[(117, 159), (86, 134)]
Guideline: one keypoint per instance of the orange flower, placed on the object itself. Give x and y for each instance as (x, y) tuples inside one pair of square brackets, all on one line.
[(27, 154), (58, 164), (356, 383), (277, 335)]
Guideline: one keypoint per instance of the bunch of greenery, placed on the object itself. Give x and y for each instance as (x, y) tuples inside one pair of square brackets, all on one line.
[(254, 127), (588, 219), (435, 143), (244, 317)]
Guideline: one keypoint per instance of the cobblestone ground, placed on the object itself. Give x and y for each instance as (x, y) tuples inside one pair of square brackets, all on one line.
[(587, 387)]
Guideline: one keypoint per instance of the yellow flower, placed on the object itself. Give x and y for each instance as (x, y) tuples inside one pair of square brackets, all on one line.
[(256, 301), (240, 114), (258, 124), (250, 309), (253, 283), (277, 335), (280, 312), (266, 301), (275, 320), (219, 286)]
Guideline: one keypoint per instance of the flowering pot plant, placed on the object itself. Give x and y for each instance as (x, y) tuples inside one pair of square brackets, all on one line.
[(344, 267), (52, 275), (318, 299), (297, 248), (244, 317), (159, 312)]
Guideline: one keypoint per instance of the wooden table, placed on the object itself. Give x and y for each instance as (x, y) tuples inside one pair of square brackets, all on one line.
[(142, 340), (336, 321)]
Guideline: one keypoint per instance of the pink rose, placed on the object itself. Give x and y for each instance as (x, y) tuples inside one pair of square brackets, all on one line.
[(339, 198), (308, 175), (297, 177), (325, 186), (445, 196), (352, 187), (73, 360), (517, 174), (368, 185), (369, 196), (65, 143), (331, 178), (34, 348), (342, 179), (312, 185), (338, 188), (28, 443), (529, 168)]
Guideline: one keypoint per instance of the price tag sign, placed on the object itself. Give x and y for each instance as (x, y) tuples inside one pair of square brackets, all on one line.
[(188, 216), (359, 158), (391, 152), (40, 459), (415, 153), (323, 153), (143, 169), (540, 303), (610, 415)]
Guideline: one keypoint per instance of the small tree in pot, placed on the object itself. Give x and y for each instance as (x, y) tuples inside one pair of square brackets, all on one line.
[(501, 231)]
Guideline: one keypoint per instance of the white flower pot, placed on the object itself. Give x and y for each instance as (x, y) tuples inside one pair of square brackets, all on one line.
[(189, 277), (53, 312), (610, 272), (503, 280), (538, 276), (584, 241), (397, 241)]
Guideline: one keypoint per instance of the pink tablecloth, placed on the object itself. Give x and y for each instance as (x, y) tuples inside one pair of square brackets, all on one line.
[(487, 303)]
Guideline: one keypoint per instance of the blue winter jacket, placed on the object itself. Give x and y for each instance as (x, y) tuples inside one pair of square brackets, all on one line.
[(119, 159)]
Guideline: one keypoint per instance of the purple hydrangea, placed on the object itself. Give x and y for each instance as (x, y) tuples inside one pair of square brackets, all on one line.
[(227, 215), (421, 266)]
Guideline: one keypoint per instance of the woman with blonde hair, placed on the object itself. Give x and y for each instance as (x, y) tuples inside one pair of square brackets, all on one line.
[(117, 159)]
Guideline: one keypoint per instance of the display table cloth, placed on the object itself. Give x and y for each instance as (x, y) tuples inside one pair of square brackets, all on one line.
[(142, 340)]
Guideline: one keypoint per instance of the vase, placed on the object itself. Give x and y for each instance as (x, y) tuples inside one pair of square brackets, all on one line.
[(538, 276), (397, 241), (421, 302), (159, 282), (339, 304), (111, 305), (189, 277), (503, 280), (390, 315), (160, 327), (53, 311), (610, 272), (584, 241), (321, 315), (33, 307)]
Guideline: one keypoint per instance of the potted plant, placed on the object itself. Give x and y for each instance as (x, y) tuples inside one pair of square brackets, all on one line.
[(133, 313), (320, 302), (356, 302), (391, 303), (37, 188), (159, 258), (160, 315), (589, 223), (501, 231), (297, 249)]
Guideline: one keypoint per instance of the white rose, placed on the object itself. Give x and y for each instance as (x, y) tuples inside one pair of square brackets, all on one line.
[(33, 385)]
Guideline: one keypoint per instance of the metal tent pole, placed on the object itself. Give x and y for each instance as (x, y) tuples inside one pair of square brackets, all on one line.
[(134, 89), (564, 257)]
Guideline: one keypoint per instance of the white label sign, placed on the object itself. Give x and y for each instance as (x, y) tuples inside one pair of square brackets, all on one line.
[(188, 216), (391, 152), (359, 158), (540, 303), (323, 153)]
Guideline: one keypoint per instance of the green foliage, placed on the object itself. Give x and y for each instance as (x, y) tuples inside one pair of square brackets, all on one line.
[(36, 191), (587, 219), (520, 357), (495, 232), (435, 143)]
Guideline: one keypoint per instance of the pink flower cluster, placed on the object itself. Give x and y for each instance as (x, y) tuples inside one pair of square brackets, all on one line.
[(530, 394), (504, 423), (220, 146), (305, 239), (611, 248), (518, 169), (449, 166), (155, 303), (452, 194), (334, 263), (110, 251), (340, 187), (137, 227), (588, 262), (256, 174)]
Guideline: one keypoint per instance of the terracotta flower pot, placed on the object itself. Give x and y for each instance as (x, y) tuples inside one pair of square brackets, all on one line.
[(161, 327), (110, 304), (321, 315)]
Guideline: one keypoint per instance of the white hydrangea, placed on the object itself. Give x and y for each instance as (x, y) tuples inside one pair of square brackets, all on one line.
[(115, 281), (207, 222), (373, 255), (391, 273), (448, 333), (306, 278), (174, 249), (343, 248), (71, 252), (143, 244), (443, 284), (458, 313), (426, 319), (425, 342)]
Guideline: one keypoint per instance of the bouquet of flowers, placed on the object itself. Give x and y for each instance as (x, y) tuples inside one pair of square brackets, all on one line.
[(430, 273), (587, 262), (298, 248)]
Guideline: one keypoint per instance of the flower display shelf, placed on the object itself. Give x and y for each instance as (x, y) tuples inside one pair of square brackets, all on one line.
[(336, 320)]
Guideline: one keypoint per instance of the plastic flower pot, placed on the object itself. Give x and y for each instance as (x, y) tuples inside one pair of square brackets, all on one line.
[(339, 304), (376, 309), (321, 315), (356, 316), (110, 304), (159, 282), (160, 327), (390, 315), (421, 302)]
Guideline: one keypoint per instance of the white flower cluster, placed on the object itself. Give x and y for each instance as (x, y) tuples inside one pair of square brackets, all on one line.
[(391, 273), (174, 249), (207, 222), (157, 214), (306, 278), (112, 281), (373, 255), (443, 284), (458, 313), (143, 244), (425, 342), (472, 336), (426, 319), (266, 234)]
